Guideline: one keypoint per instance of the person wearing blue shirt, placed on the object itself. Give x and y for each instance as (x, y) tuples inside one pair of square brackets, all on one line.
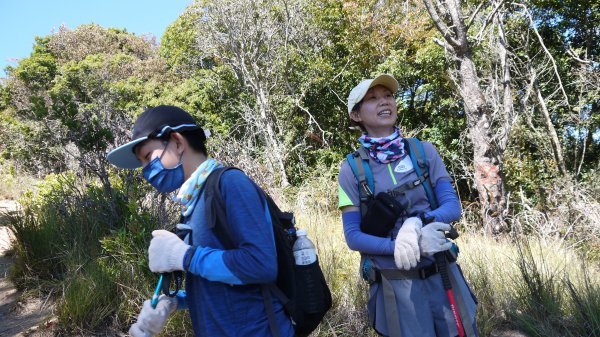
[(222, 286), (399, 257)]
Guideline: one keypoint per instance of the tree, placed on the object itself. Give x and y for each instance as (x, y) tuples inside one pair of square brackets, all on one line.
[(487, 159), (77, 93), (262, 41)]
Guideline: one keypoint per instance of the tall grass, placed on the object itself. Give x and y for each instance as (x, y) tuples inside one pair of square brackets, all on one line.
[(531, 285), (12, 182), (89, 250), (541, 287)]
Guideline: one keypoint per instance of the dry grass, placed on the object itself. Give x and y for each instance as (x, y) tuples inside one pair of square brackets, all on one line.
[(13, 185), (541, 287), (531, 285)]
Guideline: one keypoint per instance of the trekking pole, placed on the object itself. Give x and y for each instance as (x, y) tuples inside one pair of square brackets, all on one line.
[(440, 259)]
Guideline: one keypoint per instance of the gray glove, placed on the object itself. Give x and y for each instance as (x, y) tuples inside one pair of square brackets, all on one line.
[(433, 239), (406, 250), (150, 321)]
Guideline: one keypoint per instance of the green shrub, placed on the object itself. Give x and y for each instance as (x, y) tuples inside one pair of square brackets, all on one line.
[(89, 298), (87, 246)]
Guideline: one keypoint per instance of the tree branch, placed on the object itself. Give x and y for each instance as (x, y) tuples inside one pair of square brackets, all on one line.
[(554, 66), (571, 52), (441, 26), (488, 19), (475, 12)]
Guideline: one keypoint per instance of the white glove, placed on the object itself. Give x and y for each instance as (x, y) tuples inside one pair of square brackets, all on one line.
[(433, 239), (166, 252), (150, 321), (406, 251)]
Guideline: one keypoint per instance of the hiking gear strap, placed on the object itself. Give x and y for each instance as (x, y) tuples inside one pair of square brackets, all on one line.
[(397, 191), (215, 207), (398, 274), (440, 259), (264, 289), (417, 156), (359, 163), (391, 309), (468, 324)]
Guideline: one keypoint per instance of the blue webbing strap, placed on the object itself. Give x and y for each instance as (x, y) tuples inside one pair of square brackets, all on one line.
[(417, 156), (359, 163)]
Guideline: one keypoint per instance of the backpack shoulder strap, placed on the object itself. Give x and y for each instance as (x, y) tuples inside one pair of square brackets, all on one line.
[(216, 216), (359, 163), (417, 156)]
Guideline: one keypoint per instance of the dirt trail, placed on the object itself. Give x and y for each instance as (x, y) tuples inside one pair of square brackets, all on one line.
[(19, 316)]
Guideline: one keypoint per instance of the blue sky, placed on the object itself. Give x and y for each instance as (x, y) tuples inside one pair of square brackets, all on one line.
[(22, 20)]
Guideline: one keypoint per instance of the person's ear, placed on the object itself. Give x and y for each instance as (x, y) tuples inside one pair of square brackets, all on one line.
[(355, 116), (180, 142)]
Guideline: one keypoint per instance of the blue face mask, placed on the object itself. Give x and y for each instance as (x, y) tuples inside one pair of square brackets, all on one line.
[(163, 179)]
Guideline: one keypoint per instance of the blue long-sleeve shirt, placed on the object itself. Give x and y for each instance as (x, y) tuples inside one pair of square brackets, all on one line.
[(223, 291)]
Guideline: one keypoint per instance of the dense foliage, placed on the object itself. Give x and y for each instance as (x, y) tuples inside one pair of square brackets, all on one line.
[(269, 79)]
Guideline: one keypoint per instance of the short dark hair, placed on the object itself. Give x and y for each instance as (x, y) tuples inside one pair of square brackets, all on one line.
[(355, 110), (197, 140)]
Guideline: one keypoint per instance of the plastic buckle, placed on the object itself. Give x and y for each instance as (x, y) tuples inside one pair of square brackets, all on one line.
[(426, 272), (366, 188), (374, 276)]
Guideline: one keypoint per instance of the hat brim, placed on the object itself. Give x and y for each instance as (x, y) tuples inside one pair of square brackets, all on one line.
[(385, 80), (123, 155)]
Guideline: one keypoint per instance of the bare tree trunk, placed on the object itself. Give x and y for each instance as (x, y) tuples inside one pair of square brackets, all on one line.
[(507, 94), (277, 160), (556, 148), (486, 157)]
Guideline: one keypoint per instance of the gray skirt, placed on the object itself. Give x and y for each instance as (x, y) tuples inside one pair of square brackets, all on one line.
[(422, 306)]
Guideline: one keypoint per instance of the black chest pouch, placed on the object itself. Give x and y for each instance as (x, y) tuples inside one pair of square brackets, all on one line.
[(382, 213)]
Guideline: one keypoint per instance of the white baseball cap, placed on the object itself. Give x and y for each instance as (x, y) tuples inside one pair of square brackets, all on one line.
[(359, 91)]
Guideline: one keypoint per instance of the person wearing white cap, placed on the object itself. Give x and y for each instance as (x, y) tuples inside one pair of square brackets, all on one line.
[(223, 286), (397, 201)]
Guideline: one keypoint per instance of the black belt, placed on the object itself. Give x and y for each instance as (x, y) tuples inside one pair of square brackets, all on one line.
[(397, 274)]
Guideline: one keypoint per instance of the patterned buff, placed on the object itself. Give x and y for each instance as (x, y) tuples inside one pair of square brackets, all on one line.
[(191, 188), (385, 149)]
